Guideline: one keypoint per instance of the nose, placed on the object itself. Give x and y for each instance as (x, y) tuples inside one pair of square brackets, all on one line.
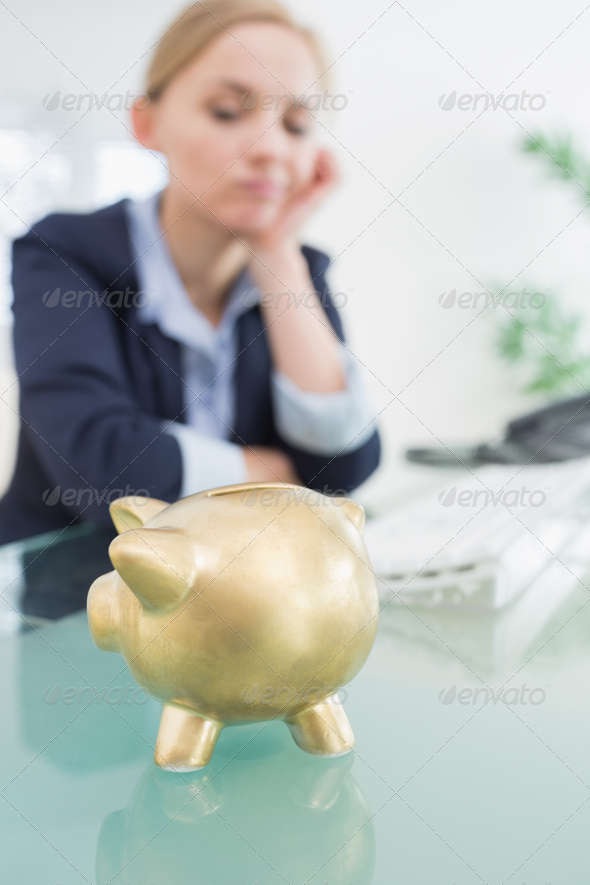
[(271, 140)]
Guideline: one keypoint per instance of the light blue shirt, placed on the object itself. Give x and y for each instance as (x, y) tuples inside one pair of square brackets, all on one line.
[(320, 423)]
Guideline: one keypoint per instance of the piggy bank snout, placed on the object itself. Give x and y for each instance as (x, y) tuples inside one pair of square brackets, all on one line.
[(103, 612)]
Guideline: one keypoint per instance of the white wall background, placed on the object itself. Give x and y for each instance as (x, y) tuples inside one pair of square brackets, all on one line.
[(471, 210)]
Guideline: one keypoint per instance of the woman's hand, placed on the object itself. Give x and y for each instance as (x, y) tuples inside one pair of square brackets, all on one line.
[(283, 233), (303, 345), (265, 464)]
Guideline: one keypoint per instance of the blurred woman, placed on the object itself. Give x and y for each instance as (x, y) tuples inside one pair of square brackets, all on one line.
[(190, 340)]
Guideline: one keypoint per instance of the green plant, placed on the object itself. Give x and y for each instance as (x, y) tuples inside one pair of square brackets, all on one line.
[(548, 346), (562, 160)]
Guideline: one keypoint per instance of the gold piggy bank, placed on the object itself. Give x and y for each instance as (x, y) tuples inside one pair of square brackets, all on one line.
[(240, 604)]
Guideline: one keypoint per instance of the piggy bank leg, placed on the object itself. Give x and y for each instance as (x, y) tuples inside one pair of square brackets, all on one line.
[(185, 741), (322, 729)]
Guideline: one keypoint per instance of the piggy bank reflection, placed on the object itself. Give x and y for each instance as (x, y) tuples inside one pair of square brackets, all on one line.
[(286, 817), (243, 603)]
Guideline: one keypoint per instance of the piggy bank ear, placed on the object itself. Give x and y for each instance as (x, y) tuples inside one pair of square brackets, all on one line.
[(156, 564), (133, 511), (355, 513)]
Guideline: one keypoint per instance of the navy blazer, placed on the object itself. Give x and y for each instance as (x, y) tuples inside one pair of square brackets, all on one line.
[(95, 383)]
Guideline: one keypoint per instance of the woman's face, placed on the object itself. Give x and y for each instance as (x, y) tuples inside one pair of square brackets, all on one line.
[(242, 156)]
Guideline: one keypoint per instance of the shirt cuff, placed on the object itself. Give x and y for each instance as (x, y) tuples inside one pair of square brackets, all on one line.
[(324, 423), (207, 463)]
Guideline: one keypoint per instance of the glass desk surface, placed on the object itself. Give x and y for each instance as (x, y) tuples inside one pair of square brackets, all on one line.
[(444, 787)]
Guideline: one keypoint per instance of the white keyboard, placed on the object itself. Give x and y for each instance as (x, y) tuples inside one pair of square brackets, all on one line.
[(480, 543)]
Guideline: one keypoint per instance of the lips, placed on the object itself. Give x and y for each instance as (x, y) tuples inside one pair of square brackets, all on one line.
[(263, 187)]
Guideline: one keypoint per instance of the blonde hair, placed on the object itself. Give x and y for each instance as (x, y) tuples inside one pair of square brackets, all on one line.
[(200, 23)]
